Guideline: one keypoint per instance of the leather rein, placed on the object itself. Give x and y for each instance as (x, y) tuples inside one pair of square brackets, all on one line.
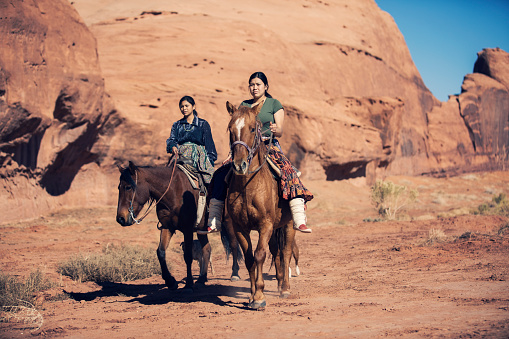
[(150, 206), (252, 150)]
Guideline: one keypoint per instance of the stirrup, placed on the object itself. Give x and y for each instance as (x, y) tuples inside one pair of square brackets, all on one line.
[(209, 230), (303, 228)]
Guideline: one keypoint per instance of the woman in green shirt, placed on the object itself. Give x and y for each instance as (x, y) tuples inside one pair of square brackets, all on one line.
[(272, 117)]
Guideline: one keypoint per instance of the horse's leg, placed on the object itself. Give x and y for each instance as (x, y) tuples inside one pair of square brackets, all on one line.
[(234, 248), (245, 243), (206, 250), (164, 241), (260, 254), (276, 256), (295, 254), (188, 258), (289, 233)]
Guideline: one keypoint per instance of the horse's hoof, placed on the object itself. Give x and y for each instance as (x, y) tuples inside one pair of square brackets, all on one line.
[(172, 285), (188, 290), (234, 278), (284, 295), (201, 280), (256, 305)]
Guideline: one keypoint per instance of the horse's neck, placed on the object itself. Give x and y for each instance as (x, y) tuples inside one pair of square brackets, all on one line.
[(259, 166), (158, 179), (259, 158)]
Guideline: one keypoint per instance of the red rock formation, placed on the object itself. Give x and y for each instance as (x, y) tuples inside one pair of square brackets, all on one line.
[(356, 104), (471, 131), (52, 99)]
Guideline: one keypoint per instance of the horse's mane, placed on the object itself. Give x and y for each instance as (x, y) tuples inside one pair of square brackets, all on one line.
[(127, 177)]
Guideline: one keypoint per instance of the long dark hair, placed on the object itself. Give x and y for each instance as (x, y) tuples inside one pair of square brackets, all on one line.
[(263, 78), (190, 100)]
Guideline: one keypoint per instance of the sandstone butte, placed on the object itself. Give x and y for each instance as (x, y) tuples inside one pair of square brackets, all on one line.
[(90, 84)]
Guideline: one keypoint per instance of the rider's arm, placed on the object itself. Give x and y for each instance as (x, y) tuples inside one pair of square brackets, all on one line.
[(277, 127)]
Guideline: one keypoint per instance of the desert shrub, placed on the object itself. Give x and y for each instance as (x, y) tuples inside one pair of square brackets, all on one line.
[(504, 229), (434, 236), (389, 198), (115, 264), (14, 292), (499, 205)]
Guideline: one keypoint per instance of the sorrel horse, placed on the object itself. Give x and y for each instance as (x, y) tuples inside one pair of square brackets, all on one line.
[(176, 210), (253, 203)]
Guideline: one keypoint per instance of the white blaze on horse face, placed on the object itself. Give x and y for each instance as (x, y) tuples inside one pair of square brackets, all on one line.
[(239, 124)]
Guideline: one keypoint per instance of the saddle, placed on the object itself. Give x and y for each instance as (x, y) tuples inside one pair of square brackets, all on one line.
[(196, 180)]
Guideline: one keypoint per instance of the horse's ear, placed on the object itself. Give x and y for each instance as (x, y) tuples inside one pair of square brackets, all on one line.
[(230, 108), (132, 167), (258, 108), (120, 168)]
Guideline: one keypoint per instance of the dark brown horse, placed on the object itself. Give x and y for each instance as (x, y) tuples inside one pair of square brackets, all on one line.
[(253, 203), (176, 210)]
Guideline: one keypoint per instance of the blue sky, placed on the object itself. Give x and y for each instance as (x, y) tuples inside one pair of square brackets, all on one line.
[(444, 36)]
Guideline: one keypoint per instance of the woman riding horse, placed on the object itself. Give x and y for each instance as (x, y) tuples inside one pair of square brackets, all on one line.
[(271, 116), (176, 199), (191, 137)]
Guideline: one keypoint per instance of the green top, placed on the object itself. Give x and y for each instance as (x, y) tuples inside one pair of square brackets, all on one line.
[(266, 115)]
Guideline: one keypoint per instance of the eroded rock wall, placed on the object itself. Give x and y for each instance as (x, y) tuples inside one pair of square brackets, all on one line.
[(355, 103), (54, 112)]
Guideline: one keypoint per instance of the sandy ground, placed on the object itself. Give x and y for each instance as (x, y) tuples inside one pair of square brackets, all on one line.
[(358, 279)]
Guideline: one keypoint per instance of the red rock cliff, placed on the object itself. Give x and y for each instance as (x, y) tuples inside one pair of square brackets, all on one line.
[(356, 105)]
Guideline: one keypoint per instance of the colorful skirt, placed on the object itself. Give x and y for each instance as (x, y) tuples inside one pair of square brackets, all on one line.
[(200, 159), (290, 184)]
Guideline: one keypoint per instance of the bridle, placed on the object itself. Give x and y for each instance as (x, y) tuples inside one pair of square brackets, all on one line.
[(131, 209), (256, 144)]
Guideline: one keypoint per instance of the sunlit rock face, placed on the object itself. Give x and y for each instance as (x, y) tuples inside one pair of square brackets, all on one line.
[(356, 106), (471, 131), (52, 98)]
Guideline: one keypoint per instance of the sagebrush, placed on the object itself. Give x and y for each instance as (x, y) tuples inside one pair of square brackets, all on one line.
[(116, 263), (499, 205), (16, 292), (389, 198)]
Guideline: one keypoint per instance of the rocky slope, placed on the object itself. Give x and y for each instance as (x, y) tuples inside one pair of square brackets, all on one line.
[(356, 105)]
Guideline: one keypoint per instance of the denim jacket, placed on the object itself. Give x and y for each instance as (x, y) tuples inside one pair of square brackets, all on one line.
[(198, 133)]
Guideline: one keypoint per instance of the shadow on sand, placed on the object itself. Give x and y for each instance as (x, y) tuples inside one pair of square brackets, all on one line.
[(157, 294)]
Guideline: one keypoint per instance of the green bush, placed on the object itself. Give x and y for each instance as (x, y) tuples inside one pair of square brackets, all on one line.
[(14, 292), (499, 205), (389, 198), (116, 264)]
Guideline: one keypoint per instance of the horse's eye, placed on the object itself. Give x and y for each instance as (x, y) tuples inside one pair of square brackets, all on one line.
[(252, 130), (128, 188)]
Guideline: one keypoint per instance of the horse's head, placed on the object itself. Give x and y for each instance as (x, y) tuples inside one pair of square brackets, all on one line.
[(245, 136), (132, 195)]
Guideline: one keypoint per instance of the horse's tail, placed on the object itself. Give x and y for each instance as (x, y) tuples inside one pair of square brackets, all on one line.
[(278, 242), (225, 239)]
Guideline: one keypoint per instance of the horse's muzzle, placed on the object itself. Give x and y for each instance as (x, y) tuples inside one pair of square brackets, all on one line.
[(123, 222), (241, 168)]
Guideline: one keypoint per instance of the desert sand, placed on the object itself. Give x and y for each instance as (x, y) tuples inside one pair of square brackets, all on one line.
[(358, 279)]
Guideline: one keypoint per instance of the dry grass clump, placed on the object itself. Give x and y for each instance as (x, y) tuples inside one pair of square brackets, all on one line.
[(17, 300), (116, 263), (435, 236), (14, 292), (499, 205), (389, 198)]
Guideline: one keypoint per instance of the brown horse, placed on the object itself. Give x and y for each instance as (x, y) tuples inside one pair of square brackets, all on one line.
[(253, 202), (176, 210)]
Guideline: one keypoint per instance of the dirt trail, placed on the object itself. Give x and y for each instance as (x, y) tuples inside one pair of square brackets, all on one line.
[(359, 279)]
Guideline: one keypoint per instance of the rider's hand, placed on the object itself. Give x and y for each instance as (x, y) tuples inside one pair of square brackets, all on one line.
[(273, 128), (175, 151), (227, 159)]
